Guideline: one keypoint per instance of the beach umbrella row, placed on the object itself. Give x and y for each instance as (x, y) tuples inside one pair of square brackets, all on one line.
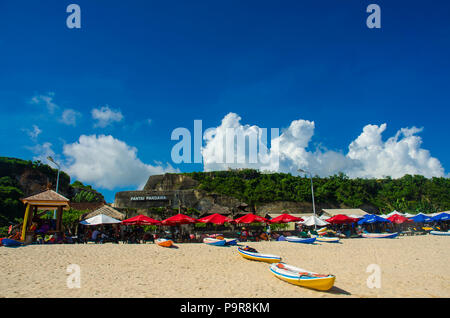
[(179, 219)]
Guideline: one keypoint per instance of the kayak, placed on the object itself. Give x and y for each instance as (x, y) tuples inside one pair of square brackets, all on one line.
[(10, 243), (255, 256), (302, 277), (380, 235), (164, 242), (439, 233), (326, 239), (230, 241), (296, 239), (214, 241)]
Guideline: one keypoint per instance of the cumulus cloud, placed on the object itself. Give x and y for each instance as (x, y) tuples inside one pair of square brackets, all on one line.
[(107, 162), (70, 117), (106, 116), (367, 156), (46, 100)]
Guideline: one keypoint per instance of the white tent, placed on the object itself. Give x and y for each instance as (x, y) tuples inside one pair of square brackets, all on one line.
[(313, 220), (100, 219), (392, 213)]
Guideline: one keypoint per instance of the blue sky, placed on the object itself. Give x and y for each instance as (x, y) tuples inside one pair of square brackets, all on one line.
[(163, 64)]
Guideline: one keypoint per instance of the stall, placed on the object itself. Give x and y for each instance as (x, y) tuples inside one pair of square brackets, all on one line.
[(39, 204)]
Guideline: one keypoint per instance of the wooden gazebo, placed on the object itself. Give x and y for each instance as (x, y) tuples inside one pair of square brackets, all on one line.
[(46, 200)]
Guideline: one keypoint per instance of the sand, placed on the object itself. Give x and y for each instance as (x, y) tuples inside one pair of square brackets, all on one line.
[(417, 266)]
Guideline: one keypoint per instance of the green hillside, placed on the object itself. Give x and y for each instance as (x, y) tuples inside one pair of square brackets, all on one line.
[(407, 194), (21, 178)]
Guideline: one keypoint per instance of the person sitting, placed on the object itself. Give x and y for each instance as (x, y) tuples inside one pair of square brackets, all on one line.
[(264, 237), (96, 236), (303, 234)]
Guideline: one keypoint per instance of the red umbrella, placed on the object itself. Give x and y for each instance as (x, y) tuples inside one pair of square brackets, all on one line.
[(341, 219), (399, 219), (285, 218), (215, 218), (251, 218), (140, 220), (179, 219)]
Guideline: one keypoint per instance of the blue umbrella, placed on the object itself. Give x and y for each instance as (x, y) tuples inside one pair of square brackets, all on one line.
[(441, 217), (421, 218), (372, 218)]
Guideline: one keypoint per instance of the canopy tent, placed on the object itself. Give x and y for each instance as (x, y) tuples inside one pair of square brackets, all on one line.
[(395, 212), (251, 218), (100, 219), (398, 219), (441, 217), (314, 220), (178, 220), (341, 219), (372, 218), (420, 218), (409, 215), (215, 218), (285, 218), (141, 220)]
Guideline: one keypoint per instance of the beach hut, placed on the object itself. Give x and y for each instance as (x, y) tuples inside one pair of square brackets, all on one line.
[(46, 200)]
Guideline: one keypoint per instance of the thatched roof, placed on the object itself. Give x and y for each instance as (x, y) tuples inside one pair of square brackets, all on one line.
[(107, 210), (47, 199)]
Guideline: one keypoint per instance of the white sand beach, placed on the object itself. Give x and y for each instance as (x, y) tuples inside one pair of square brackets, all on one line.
[(417, 266)]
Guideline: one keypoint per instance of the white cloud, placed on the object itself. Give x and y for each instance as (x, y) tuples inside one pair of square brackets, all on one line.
[(107, 162), (46, 100), (368, 155), (34, 133), (106, 116), (42, 151), (69, 117)]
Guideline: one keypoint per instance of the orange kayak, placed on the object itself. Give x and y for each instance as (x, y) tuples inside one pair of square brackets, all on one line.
[(164, 242)]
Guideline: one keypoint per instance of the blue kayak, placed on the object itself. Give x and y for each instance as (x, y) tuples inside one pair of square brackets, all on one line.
[(10, 243), (296, 239)]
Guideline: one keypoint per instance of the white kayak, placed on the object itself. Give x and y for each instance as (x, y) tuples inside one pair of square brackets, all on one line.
[(255, 256), (440, 233), (296, 239), (326, 239), (380, 235)]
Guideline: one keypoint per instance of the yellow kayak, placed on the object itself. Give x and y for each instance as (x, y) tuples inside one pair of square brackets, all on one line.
[(255, 256), (302, 277)]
